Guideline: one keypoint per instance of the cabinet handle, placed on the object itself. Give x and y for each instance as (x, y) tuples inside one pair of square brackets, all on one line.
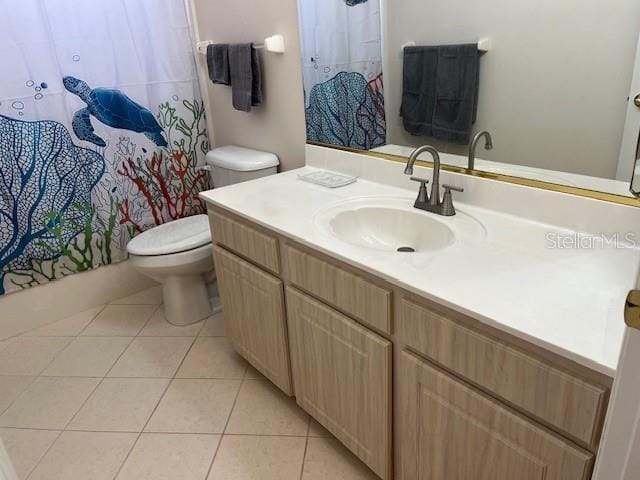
[(632, 309)]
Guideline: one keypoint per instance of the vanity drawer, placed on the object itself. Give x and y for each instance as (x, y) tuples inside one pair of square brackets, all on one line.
[(251, 243), (554, 396), (349, 292)]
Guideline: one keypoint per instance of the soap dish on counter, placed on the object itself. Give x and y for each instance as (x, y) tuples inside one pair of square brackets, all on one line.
[(328, 179)]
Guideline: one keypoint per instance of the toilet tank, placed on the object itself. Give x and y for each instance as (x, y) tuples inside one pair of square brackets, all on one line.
[(232, 164)]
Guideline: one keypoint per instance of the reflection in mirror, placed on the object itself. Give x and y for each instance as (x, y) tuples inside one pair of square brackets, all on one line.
[(341, 42), (553, 82)]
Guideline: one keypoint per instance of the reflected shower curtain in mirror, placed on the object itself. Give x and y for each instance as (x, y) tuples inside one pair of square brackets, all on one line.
[(101, 130), (342, 69)]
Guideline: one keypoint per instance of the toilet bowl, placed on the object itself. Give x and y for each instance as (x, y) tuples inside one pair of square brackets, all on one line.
[(178, 254)]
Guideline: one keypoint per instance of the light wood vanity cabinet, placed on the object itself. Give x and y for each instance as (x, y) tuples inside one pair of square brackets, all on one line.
[(253, 304), (342, 377), (465, 402)]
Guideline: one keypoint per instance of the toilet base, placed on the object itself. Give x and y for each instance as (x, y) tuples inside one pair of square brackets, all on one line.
[(186, 299), (184, 279)]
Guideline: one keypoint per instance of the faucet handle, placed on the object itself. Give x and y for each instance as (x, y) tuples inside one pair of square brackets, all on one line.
[(448, 209), (448, 188), (423, 196), (421, 180)]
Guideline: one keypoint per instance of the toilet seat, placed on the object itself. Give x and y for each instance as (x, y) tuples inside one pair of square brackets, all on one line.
[(199, 258), (173, 237)]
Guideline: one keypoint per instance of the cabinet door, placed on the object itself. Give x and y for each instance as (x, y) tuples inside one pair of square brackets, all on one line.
[(450, 431), (342, 377), (253, 303)]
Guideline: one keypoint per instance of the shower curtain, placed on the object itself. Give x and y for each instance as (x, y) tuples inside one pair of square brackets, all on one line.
[(101, 131), (342, 72)]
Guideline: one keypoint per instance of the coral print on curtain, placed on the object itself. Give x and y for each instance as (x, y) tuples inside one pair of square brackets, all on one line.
[(101, 131), (342, 69)]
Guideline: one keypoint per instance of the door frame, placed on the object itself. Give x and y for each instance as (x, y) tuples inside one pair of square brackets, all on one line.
[(619, 455)]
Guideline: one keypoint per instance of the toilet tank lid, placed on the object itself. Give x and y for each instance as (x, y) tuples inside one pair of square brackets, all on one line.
[(240, 159)]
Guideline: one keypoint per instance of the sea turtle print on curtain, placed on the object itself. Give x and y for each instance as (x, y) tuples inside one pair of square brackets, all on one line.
[(102, 131), (342, 72), (113, 108)]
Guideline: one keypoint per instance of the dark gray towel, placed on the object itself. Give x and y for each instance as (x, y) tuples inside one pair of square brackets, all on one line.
[(246, 78), (440, 91), (218, 63), (419, 89)]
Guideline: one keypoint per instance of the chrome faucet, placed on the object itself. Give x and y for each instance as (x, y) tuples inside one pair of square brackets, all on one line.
[(488, 145), (431, 202)]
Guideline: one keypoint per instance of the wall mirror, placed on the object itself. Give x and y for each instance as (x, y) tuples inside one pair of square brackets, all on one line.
[(557, 84)]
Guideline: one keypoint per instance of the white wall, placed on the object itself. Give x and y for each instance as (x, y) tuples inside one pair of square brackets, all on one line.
[(554, 86), (278, 125)]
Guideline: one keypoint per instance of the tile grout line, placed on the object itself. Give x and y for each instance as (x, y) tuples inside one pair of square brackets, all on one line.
[(37, 464), (306, 446), (65, 429), (106, 375), (33, 379), (203, 322), (160, 432), (133, 445), (25, 334), (148, 320), (116, 335), (92, 319), (304, 457), (233, 406), (39, 374), (42, 374)]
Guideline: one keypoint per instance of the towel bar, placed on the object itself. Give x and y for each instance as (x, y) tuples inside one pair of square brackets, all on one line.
[(484, 45), (273, 44)]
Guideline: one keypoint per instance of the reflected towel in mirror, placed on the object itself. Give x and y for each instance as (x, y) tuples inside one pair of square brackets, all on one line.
[(440, 91)]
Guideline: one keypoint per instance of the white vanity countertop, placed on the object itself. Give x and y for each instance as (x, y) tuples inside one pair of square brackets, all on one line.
[(570, 301)]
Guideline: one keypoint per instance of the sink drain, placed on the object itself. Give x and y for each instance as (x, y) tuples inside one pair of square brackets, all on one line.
[(406, 249)]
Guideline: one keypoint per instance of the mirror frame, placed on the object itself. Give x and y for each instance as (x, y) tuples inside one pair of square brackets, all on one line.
[(554, 187)]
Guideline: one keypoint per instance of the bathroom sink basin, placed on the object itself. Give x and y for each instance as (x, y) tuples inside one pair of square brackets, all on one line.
[(391, 224), (391, 230)]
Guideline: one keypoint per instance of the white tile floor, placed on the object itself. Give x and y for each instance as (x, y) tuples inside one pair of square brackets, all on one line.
[(118, 393)]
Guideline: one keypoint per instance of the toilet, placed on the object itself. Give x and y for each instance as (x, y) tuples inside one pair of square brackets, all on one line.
[(178, 254)]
